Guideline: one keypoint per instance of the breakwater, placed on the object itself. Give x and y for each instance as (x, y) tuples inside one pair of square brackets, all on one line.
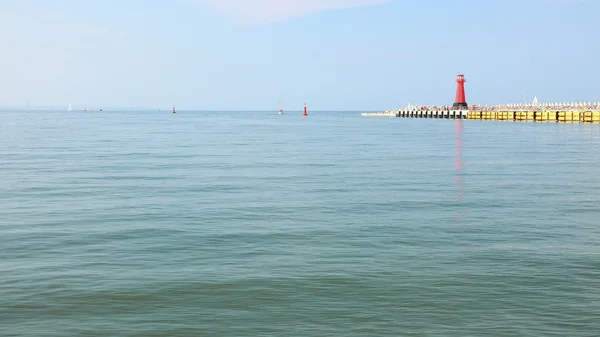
[(380, 114), (446, 114), (555, 112)]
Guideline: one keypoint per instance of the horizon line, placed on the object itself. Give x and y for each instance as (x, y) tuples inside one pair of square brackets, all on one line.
[(167, 110)]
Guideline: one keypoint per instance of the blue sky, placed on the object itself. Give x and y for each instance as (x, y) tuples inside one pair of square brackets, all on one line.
[(333, 54)]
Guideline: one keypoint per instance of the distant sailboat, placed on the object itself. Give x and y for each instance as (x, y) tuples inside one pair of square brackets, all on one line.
[(174, 109), (280, 109), (70, 108)]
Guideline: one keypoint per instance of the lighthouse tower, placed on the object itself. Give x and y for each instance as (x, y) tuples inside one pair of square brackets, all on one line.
[(461, 100)]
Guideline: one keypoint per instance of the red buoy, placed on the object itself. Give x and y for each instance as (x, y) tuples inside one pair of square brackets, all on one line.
[(305, 113)]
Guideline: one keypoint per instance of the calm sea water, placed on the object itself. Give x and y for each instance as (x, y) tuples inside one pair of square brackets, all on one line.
[(253, 224)]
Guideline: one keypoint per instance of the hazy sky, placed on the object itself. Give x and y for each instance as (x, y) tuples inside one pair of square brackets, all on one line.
[(333, 54)]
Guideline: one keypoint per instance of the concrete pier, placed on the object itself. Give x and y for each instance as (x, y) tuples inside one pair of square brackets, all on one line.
[(534, 115), (439, 114), (390, 113), (581, 116)]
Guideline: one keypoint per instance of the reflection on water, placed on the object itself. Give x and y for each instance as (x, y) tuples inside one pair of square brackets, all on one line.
[(459, 160), (459, 168)]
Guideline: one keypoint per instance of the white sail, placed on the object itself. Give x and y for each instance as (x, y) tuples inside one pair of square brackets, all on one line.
[(70, 108)]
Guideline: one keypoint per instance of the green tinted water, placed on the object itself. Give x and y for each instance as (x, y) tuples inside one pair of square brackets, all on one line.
[(253, 224)]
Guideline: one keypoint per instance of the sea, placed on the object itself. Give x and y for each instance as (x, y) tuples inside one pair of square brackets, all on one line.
[(146, 223)]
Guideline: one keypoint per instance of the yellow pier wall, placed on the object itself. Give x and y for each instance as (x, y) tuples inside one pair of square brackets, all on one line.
[(505, 115), (570, 116), (488, 115), (524, 115), (546, 116), (590, 117), (474, 115)]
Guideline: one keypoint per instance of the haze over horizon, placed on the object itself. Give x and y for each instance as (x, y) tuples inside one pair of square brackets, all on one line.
[(334, 55)]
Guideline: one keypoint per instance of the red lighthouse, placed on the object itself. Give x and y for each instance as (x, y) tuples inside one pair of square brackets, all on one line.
[(461, 100)]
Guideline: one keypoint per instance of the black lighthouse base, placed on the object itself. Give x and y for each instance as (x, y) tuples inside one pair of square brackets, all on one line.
[(460, 105)]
